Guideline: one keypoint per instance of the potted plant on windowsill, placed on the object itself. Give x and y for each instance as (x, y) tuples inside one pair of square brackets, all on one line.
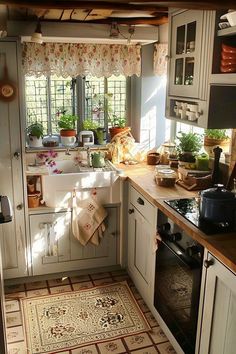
[(68, 132), (35, 134), (118, 125), (216, 137), (188, 145)]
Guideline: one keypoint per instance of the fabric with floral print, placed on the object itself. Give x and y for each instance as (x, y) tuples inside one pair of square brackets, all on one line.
[(73, 59), (160, 59)]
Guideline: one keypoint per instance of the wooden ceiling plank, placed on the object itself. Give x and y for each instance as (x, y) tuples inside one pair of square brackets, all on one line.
[(54, 14), (154, 21), (79, 15), (66, 15), (90, 5)]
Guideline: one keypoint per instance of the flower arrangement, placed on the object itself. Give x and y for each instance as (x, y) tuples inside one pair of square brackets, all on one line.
[(48, 159)]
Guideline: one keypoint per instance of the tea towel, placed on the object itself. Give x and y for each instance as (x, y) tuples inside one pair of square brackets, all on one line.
[(87, 220)]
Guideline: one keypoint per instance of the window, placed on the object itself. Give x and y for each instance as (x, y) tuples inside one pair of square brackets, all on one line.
[(45, 96)]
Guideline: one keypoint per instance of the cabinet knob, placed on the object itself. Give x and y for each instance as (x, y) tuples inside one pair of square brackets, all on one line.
[(131, 211), (16, 155), (207, 263), (20, 206)]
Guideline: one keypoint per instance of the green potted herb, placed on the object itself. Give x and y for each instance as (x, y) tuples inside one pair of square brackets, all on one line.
[(188, 145), (118, 125), (216, 137), (35, 134), (67, 123)]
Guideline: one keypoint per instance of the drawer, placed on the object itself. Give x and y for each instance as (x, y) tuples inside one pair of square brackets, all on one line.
[(142, 205)]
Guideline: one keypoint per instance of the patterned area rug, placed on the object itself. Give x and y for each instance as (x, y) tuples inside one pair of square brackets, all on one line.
[(70, 320)]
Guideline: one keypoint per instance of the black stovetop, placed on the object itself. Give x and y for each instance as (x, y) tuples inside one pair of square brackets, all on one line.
[(189, 209)]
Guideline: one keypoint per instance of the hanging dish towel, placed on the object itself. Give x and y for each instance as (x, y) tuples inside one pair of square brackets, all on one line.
[(87, 220)]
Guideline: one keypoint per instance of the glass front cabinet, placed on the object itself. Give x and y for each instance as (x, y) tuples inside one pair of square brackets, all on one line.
[(185, 53)]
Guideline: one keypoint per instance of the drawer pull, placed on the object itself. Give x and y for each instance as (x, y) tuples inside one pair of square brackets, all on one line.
[(131, 211), (140, 201), (208, 263)]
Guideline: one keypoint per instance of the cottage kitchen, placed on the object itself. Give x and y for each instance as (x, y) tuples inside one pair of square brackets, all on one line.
[(118, 177)]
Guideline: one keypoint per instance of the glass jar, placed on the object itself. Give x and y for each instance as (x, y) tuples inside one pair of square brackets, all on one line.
[(165, 177), (51, 140)]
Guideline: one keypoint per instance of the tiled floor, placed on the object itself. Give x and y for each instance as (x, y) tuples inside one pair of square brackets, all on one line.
[(151, 342)]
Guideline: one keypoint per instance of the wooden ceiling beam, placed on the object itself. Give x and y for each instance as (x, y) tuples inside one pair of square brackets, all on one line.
[(89, 5), (153, 21), (197, 5)]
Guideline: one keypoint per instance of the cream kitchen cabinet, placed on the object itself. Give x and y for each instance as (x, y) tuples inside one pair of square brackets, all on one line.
[(55, 249), (219, 309), (141, 240), (13, 234)]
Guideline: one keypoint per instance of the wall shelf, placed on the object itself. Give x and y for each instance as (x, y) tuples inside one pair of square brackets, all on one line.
[(230, 31)]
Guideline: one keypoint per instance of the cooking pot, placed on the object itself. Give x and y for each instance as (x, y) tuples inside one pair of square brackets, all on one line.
[(218, 205)]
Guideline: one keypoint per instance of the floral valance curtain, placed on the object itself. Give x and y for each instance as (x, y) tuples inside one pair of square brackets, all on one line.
[(72, 59), (159, 59)]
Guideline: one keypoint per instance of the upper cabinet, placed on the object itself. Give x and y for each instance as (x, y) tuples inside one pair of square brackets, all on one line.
[(198, 92), (186, 33)]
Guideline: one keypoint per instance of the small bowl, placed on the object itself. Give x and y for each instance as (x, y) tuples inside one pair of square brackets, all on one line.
[(153, 158)]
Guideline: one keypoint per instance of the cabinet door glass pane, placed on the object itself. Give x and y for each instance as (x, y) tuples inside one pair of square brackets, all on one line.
[(189, 70), (180, 40), (191, 36), (179, 65)]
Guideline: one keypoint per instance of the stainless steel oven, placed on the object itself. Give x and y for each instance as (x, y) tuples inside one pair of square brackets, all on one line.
[(177, 283)]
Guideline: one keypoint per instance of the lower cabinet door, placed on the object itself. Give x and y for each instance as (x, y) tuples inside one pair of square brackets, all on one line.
[(55, 249), (50, 241), (219, 311), (140, 234)]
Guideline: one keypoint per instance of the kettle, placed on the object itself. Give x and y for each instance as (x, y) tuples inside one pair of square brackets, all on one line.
[(6, 210), (98, 159)]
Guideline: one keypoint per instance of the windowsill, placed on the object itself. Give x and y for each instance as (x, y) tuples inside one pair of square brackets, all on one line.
[(63, 148)]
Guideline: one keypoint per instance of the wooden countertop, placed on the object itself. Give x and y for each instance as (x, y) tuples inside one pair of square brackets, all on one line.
[(141, 176)]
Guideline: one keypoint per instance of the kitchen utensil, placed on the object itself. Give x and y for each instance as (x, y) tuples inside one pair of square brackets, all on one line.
[(6, 210), (218, 205), (7, 87), (98, 159)]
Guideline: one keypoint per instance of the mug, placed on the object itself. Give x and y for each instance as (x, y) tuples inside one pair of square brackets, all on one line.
[(68, 140)]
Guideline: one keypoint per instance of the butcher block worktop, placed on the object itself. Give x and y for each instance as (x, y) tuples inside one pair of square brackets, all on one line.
[(141, 176)]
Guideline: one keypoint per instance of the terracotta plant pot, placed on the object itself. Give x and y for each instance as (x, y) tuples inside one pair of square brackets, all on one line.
[(68, 132), (116, 130)]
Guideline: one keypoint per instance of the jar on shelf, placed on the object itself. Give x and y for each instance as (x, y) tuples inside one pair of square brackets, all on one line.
[(165, 177), (51, 140)]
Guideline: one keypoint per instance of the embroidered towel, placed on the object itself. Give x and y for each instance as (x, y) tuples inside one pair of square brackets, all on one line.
[(87, 220)]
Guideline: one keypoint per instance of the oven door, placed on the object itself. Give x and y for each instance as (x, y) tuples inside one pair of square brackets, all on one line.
[(177, 290)]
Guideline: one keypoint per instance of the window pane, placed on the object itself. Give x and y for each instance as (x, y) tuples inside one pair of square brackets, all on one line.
[(45, 97), (105, 97), (95, 99), (61, 98), (36, 101)]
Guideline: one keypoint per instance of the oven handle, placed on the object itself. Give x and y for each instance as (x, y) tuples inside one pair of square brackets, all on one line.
[(189, 262)]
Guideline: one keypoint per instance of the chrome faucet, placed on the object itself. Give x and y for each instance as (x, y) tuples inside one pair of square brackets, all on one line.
[(67, 151), (88, 156)]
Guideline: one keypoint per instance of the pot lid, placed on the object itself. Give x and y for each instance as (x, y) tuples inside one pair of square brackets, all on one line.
[(217, 192)]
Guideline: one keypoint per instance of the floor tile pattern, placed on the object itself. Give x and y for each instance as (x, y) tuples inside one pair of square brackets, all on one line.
[(150, 342)]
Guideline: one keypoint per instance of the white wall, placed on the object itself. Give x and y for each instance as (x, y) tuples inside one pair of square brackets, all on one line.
[(148, 94)]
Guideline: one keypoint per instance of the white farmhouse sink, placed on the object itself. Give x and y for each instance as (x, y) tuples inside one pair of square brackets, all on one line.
[(57, 188)]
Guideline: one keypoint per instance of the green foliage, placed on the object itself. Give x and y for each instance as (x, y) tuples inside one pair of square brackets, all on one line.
[(67, 121), (117, 121), (216, 134), (189, 142), (89, 124), (35, 129)]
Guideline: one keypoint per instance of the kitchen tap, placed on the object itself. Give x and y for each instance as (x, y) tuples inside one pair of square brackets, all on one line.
[(67, 151), (88, 156)]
